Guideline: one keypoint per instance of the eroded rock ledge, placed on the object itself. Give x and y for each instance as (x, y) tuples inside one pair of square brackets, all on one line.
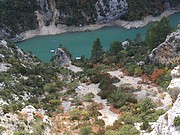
[(169, 51)]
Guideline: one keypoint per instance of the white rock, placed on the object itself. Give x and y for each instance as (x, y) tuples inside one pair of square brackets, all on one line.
[(2, 56), (112, 9), (2, 85), (166, 126), (125, 44), (4, 67), (174, 87), (3, 43), (168, 51)]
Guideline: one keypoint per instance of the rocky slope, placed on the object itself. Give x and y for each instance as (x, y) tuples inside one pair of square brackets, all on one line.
[(108, 10), (28, 90), (165, 124), (169, 51)]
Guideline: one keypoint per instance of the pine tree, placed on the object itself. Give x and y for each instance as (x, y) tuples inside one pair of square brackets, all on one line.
[(157, 33), (115, 48), (97, 51)]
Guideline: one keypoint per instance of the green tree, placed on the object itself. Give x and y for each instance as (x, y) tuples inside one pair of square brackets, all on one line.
[(86, 130), (97, 51), (157, 33), (138, 38), (177, 121), (115, 48), (124, 130), (147, 104)]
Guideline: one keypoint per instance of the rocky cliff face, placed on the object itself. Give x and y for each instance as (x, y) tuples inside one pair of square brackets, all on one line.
[(165, 124), (26, 117), (44, 9), (168, 51), (47, 12), (108, 10), (61, 58)]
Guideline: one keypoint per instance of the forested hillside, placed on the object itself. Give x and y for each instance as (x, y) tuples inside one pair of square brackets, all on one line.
[(19, 16)]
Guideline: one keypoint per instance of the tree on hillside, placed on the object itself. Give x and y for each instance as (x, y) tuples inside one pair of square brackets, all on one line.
[(157, 33), (115, 48), (138, 38), (97, 51)]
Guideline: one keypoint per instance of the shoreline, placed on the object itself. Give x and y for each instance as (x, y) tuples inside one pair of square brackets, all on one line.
[(53, 30)]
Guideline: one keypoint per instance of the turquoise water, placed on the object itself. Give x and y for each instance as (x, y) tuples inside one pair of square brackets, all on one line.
[(80, 43)]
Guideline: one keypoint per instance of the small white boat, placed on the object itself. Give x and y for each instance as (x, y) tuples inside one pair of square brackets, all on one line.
[(78, 58), (52, 51)]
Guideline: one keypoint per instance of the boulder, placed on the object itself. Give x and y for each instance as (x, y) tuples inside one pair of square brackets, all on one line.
[(174, 87), (61, 58)]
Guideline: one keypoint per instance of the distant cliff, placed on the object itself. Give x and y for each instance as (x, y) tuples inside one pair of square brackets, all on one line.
[(108, 10), (20, 16)]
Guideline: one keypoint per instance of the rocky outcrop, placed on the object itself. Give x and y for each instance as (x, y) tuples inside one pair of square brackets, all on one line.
[(61, 58), (45, 11), (108, 10), (169, 51), (24, 118), (165, 124), (174, 87)]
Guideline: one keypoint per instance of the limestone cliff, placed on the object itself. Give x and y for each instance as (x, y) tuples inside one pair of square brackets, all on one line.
[(168, 51), (165, 124), (61, 58), (108, 10), (45, 10)]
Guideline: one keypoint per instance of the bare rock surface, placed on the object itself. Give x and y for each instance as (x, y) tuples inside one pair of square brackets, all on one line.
[(168, 51), (109, 10)]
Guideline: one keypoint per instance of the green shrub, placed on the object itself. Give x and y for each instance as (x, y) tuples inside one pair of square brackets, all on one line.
[(153, 115), (99, 122), (105, 93), (118, 98), (2, 129), (86, 130), (164, 80), (98, 77), (2, 79), (177, 121), (166, 116), (145, 126), (104, 83), (124, 130), (127, 119), (146, 104), (88, 97)]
